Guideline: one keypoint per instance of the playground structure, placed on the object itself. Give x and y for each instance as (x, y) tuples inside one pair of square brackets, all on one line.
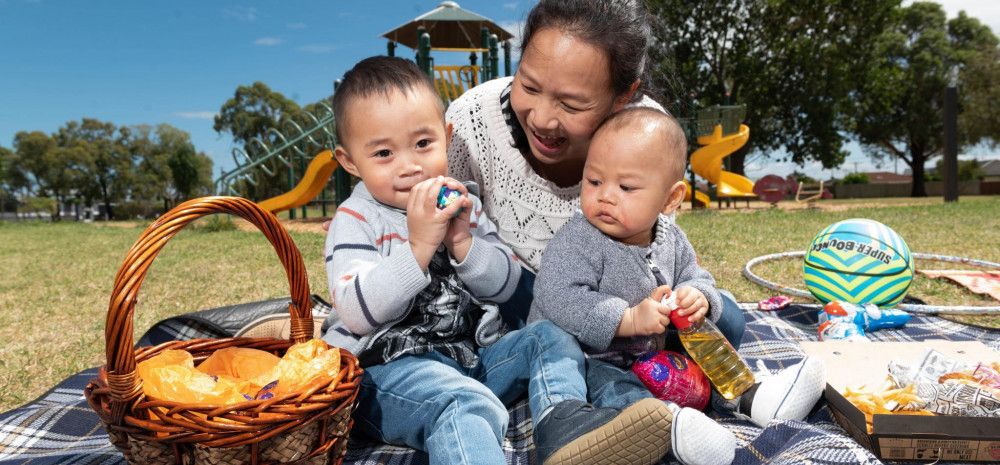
[(719, 132), (453, 30)]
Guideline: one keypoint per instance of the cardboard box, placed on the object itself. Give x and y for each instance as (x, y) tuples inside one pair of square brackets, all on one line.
[(905, 437)]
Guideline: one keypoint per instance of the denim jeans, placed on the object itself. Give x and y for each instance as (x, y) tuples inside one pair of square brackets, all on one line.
[(459, 415), (610, 386)]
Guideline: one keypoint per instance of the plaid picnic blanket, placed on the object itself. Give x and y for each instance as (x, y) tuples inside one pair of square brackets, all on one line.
[(59, 427)]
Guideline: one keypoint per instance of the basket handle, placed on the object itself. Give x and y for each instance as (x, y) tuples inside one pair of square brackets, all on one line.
[(122, 379)]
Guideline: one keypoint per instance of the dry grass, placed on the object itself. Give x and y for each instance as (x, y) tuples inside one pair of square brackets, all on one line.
[(57, 278)]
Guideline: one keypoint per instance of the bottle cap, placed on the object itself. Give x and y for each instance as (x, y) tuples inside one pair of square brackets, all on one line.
[(679, 322)]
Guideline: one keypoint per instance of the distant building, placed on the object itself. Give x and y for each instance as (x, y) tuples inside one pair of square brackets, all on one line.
[(886, 177), (991, 170)]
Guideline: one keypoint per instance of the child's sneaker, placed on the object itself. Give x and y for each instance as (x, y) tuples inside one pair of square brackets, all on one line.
[(575, 432), (690, 433), (789, 394)]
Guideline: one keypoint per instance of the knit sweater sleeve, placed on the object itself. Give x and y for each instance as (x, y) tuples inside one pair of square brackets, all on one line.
[(687, 272), (567, 288), (367, 288), (489, 270)]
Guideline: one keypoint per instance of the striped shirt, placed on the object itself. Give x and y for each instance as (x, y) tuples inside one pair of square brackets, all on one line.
[(378, 289)]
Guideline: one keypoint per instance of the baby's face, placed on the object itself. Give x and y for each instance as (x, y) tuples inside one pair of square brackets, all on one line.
[(625, 185), (396, 142)]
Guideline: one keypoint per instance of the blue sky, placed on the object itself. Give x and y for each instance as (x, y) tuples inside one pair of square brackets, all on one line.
[(178, 61)]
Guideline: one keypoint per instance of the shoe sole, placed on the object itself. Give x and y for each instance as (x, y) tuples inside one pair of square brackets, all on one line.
[(639, 435)]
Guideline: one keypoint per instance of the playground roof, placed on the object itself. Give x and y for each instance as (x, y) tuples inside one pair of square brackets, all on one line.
[(450, 27)]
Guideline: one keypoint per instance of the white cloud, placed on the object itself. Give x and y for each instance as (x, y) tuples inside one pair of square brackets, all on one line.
[(296, 25), (517, 29), (510, 6), (318, 48), (268, 41), (241, 13), (196, 114)]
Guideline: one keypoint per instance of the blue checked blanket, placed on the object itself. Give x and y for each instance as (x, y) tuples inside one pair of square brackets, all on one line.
[(59, 427)]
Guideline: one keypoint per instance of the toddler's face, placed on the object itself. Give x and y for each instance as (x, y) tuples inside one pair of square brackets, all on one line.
[(392, 143), (625, 185)]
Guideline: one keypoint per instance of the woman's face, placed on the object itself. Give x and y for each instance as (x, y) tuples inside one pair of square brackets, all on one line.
[(561, 92)]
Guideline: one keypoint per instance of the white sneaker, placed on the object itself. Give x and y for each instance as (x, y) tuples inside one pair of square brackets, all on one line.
[(789, 394), (699, 440)]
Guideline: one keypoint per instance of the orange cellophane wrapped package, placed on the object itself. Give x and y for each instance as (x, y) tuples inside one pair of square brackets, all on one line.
[(171, 376), (235, 374), (239, 362), (305, 365)]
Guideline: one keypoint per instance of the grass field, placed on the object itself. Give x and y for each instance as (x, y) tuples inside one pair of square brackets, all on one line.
[(57, 278)]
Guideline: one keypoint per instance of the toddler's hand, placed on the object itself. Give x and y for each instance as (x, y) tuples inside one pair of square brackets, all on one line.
[(691, 303), (660, 293), (427, 225), (458, 238)]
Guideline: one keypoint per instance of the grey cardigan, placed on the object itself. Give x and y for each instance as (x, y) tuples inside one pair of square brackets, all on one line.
[(588, 280)]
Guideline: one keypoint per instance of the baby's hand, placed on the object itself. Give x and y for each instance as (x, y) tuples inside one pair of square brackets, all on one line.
[(426, 223), (644, 319), (692, 304)]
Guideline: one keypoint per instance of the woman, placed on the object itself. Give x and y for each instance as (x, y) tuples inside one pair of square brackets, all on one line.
[(524, 139)]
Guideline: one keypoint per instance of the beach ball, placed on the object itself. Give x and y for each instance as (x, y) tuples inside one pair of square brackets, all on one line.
[(674, 377), (859, 261)]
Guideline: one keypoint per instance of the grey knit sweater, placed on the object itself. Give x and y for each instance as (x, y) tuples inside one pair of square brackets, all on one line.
[(588, 280), (373, 275)]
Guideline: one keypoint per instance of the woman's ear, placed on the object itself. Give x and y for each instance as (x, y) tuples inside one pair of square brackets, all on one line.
[(675, 197), (626, 97), (344, 160)]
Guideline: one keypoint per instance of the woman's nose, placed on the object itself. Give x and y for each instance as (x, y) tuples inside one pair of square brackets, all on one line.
[(543, 117)]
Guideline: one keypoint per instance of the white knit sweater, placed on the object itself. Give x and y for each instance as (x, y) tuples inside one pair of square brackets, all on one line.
[(527, 209)]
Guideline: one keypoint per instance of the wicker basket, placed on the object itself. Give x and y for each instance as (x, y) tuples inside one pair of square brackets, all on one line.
[(309, 427)]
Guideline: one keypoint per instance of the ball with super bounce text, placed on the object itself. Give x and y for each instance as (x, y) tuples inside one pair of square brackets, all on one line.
[(674, 377), (860, 261)]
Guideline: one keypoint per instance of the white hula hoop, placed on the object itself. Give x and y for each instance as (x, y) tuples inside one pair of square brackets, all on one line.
[(913, 308)]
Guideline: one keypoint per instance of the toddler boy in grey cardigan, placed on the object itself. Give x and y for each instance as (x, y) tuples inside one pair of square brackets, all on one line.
[(603, 276), (415, 289)]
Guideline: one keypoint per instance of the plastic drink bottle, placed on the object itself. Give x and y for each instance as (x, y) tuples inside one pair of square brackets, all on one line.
[(713, 353)]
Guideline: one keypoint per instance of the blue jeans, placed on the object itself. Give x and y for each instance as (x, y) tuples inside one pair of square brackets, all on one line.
[(610, 386), (459, 415)]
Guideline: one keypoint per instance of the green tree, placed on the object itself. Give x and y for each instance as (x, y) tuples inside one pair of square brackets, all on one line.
[(793, 63), (34, 156), (106, 164), (899, 108), (249, 116)]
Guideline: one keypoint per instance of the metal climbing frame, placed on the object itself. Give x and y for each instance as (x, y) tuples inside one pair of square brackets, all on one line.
[(292, 145)]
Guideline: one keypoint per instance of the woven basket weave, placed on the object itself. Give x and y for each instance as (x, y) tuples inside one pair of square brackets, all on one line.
[(308, 427)]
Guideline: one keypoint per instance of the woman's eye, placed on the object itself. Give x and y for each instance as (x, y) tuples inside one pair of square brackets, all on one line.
[(529, 89), (423, 143), (382, 153), (572, 109)]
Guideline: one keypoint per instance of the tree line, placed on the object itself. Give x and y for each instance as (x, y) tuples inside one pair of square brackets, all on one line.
[(129, 170), (815, 74)]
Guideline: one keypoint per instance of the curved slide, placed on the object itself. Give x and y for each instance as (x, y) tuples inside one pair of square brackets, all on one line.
[(707, 162), (317, 174), (700, 197)]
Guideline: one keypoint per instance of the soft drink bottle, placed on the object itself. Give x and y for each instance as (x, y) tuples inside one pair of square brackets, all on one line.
[(713, 353)]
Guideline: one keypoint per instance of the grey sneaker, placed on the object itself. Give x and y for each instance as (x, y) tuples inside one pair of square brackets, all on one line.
[(577, 433)]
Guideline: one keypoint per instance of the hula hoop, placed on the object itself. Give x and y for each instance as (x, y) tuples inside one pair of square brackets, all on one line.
[(913, 308)]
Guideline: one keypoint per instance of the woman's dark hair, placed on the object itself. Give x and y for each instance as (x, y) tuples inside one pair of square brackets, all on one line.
[(619, 27)]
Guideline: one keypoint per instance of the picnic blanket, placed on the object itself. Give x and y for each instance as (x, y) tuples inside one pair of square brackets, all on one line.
[(60, 428)]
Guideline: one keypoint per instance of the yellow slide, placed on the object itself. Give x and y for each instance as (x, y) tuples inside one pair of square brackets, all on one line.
[(707, 162), (699, 197), (317, 174)]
